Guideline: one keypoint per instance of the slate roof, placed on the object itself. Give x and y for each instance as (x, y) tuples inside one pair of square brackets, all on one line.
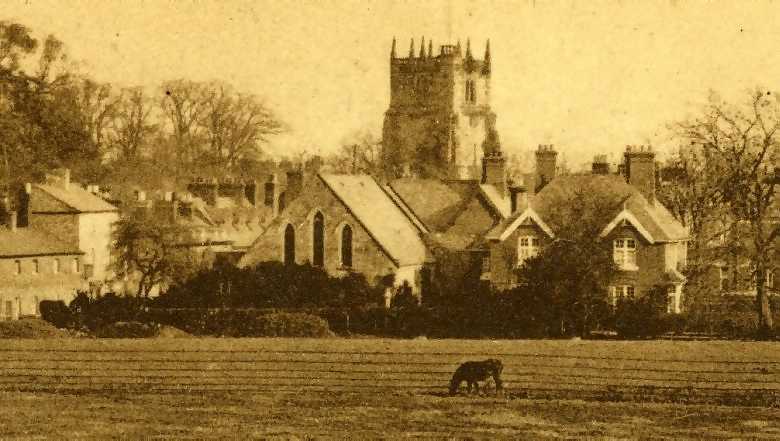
[(500, 203), (30, 241), (655, 218), (77, 198), (380, 216), (435, 202)]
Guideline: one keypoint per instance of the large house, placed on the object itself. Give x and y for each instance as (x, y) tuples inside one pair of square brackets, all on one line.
[(648, 244), (56, 239)]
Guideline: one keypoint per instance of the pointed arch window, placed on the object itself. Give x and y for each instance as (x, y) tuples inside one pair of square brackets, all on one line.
[(346, 246), (318, 240), (289, 245)]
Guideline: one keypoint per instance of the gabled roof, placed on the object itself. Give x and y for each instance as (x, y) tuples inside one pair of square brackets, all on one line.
[(76, 198), (501, 232), (379, 214), (30, 241), (628, 217), (628, 204)]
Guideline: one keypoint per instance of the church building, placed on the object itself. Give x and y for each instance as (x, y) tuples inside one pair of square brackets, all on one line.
[(443, 215)]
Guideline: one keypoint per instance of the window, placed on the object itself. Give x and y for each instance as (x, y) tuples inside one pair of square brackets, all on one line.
[(56, 268), (18, 265), (619, 292), (9, 310), (346, 246), (318, 240), (624, 254), (36, 268), (671, 299), (76, 265), (527, 246), (37, 305), (289, 245)]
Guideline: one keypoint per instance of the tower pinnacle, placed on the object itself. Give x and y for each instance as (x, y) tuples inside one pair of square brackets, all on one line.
[(411, 49), (422, 48), (486, 63), (392, 50)]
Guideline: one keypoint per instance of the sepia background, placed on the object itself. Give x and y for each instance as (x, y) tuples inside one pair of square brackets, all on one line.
[(589, 77)]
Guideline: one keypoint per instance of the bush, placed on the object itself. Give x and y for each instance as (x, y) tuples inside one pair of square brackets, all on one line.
[(30, 328), (285, 324), (269, 285), (127, 330), (56, 313), (644, 316)]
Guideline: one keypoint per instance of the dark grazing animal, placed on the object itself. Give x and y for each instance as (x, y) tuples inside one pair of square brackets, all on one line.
[(474, 371)]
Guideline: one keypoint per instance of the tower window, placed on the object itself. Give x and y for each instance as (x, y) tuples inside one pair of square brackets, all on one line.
[(289, 245), (471, 91), (318, 240), (346, 246)]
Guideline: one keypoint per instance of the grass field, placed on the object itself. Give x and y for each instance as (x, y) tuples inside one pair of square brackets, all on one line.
[(369, 388)]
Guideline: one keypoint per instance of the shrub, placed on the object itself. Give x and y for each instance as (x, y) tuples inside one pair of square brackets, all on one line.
[(644, 316), (285, 324), (127, 330), (56, 313), (30, 328)]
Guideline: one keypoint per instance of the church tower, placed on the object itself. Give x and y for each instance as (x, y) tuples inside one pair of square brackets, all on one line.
[(439, 115)]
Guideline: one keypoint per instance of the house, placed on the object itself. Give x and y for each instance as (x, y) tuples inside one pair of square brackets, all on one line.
[(77, 216), (648, 244), (35, 266), (55, 240)]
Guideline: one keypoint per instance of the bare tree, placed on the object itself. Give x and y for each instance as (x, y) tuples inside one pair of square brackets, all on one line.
[(360, 152), (735, 146), (184, 106), (236, 125), (132, 125)]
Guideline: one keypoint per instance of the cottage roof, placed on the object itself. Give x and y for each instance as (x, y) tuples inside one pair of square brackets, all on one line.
[(653, 220), (380, 216), (500, 203), (76, 198), (30, 242)]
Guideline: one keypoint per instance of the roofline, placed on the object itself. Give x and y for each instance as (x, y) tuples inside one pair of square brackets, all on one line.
[(395, 261), (43, 188), (427, 228), (626, 215), (405, 208), (529, 213), (74, 211), (64, 253), (490, 202)]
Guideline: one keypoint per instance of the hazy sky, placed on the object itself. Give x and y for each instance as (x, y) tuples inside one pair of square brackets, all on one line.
[(586, 76)]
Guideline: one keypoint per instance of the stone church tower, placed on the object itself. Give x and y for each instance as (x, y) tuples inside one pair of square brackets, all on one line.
[(439, 115)]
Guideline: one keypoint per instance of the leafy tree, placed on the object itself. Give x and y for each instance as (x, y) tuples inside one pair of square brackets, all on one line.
[(739, 147), (572, 273), (152, 250)]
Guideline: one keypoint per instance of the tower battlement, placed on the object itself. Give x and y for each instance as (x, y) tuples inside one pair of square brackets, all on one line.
[(439, 114)]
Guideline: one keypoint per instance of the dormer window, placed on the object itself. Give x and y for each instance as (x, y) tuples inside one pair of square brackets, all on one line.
[(527, 247), (624, 254)]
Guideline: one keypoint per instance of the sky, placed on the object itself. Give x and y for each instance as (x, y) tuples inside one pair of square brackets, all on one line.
[(589, 77)]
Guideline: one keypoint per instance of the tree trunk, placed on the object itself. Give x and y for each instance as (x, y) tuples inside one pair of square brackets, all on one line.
[(765, 322)]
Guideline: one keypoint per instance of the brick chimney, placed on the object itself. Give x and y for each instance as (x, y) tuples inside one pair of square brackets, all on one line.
[(545, 165), (250, 192), (294, 184), (639, 169), (494, 171), (600, 165), (519, 198)]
